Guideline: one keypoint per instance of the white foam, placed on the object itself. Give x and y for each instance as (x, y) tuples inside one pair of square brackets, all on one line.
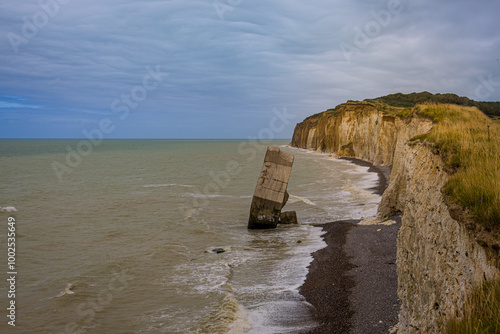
[(350, 195), (199, 195), (167, 185), (211, 276), (67, 291), (277, 306), (376, 220), (294, 199), (8, 209), (241, 323), (280, 317), (362, 195)]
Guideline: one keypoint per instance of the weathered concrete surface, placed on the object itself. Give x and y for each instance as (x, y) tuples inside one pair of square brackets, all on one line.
[(288, 217), (270, 193)]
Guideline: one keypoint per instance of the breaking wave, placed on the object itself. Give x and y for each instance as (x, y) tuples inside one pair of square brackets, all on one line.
[(230, 318), (8, 209), (168, 185), (294, 199)]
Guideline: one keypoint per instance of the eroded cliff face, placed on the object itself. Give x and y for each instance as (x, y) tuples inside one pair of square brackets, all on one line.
[(357, 129), (438, 258)]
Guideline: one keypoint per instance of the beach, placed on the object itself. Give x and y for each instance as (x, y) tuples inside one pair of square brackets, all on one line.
[(352, 282)]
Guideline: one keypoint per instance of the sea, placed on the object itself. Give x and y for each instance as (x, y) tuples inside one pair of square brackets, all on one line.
[(150, 236)]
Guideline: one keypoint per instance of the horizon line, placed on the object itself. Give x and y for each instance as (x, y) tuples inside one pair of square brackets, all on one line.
[(80, 138)]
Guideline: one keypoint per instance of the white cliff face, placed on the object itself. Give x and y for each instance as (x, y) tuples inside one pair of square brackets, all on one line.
[(360, 130), (438, 258), (394, 198)]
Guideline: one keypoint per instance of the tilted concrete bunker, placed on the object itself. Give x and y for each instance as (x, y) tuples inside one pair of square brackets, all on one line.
[(271, 191)]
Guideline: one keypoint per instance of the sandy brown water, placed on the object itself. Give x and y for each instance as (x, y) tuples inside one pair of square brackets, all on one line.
[(127, 232)]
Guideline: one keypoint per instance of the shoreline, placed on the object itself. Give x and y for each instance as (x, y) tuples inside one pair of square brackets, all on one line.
[(384, 174), (352, 282)]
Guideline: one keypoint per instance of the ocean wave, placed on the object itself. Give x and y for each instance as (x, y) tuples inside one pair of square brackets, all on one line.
[(199, 195), (67, 291), (209, 277), (229, 318), (294, 199), (311, 151), (280, 307), (8, 209), (167, 185), (360, 193)]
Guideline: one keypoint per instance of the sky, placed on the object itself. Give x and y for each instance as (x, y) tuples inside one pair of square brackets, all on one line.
[(230, 68)]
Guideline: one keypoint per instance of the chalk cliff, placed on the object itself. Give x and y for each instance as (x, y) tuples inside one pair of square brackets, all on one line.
[(439, 258)]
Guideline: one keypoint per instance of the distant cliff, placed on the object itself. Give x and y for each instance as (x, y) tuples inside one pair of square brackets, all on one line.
[(439, 258)]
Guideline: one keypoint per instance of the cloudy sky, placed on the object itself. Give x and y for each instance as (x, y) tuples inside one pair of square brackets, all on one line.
[(230, 68)]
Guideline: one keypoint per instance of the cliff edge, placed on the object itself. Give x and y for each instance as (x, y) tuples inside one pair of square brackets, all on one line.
[(441, 255)]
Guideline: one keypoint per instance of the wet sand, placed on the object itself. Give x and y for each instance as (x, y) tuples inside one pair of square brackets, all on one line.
[(352, 283)]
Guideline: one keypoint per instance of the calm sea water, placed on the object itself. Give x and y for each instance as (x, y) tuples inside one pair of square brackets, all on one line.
[(122, 241)]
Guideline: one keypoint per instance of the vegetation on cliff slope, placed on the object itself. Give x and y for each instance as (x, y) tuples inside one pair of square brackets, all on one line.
[(401, 105), (492, 109), (481, 312), (469, 143), (381, 106)]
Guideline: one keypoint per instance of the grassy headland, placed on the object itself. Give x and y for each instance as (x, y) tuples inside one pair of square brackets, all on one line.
[(401, 105), (492, 109), (469, 143), (467, 135)]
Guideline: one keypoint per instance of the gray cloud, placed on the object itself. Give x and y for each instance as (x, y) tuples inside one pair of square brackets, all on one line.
[(225, 76)]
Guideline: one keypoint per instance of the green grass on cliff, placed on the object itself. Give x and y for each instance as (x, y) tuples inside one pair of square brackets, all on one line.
[(387, 109), (481, 312), (393, 111), (492, 109), (469, 143), (401, 105)]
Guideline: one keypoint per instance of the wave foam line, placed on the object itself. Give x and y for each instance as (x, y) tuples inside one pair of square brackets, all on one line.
[(167, 185), (8, 209), (230, 318), (360, 193), (199, 195), (301, 199)]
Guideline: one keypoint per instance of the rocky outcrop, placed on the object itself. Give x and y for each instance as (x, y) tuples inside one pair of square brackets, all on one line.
[(439, 259), (289, 217)]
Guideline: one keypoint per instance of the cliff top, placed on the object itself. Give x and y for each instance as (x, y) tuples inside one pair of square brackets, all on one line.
[(469, 144), (492, 109), (401, 105)]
